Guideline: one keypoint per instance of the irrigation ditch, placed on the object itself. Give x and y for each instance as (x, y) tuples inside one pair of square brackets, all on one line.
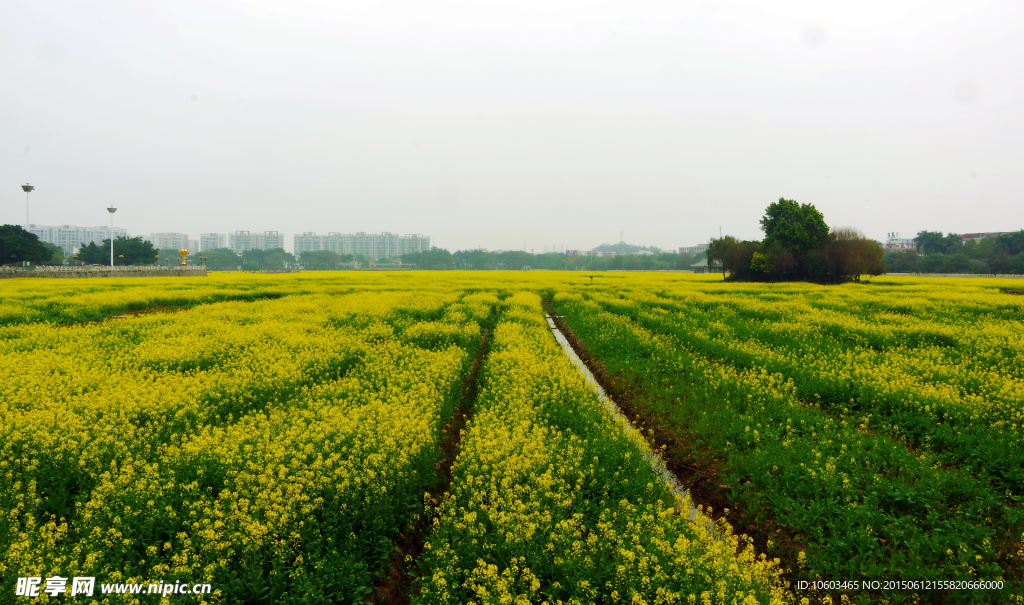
[(694, 468), (634, 435)]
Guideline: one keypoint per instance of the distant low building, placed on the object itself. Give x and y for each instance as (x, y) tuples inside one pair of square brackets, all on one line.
[(698, 249), (895, 243), (574, 253), (701, 266), (980, 236)]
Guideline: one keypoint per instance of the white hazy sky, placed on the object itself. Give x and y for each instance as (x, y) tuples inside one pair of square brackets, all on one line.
[(511, 124)]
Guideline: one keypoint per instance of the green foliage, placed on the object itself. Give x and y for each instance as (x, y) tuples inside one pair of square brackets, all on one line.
[(133, 251), (514, 260), (56, 254), (623, 247), (933, 242), (946, 254), (221, 259), (795, 227), (435, 258), (127, 251), (797, 245), (823, 457), (324, 260), (902, 261), (274, 259), (18, 245)]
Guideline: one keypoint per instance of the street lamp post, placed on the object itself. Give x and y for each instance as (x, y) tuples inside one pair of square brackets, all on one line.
[(111, 210), (27, 189)]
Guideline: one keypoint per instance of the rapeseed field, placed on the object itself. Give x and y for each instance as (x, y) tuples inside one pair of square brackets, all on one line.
[(279, 436)]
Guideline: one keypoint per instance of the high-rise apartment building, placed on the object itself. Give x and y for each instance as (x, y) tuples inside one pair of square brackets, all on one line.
[(70, 238), (240, 241), (211, 241), (373, 245), (172, 241)]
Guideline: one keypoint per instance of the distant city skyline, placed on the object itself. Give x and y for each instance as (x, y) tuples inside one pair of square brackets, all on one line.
[(66, 235)]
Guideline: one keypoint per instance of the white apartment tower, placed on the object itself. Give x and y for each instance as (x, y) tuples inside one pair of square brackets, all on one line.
[(71, 238), (172, 241), (211, 241), (373, 245), (240, 241)]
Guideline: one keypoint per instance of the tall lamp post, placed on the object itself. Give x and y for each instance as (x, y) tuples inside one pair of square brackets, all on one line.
[(111, 210), (27, 189)]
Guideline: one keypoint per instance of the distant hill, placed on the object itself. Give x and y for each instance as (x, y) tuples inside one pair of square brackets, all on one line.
[(622, 247)]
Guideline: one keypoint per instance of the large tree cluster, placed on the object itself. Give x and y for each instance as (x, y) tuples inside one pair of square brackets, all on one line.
[(127, 251), (18, 245), (797, 245)]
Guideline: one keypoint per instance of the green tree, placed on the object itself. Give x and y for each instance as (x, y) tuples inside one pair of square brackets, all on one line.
[(127, 251), (91, 254), (1010, 244), (795, 227), (56, 254), (930, 242), (1016, 263), (849, 254), (903, 261), (515, 260), (719, 250), (474, 259), (222, 259), (255, 257), (321, 260), (277, 259), (952, 244), (958, 263), (435, 258), (18, 245), (133, 251), (932, 263)]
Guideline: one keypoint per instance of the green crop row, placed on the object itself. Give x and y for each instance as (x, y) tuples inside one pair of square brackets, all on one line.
[(966, 413), (849, 503)]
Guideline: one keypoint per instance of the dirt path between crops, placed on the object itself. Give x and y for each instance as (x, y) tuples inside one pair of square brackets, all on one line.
[(395, 587)]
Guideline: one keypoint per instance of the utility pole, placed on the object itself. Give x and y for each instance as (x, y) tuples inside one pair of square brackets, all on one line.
[(111, 210), (27, 189)]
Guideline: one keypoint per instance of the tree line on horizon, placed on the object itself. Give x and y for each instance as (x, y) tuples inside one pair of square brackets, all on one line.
[(938, 253), (514, 260)]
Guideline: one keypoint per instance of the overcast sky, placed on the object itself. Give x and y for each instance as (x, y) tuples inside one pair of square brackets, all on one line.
[(513, 124)]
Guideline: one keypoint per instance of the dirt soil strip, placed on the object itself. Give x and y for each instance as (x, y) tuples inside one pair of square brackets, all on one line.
[(396, 587), (657, 464)]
